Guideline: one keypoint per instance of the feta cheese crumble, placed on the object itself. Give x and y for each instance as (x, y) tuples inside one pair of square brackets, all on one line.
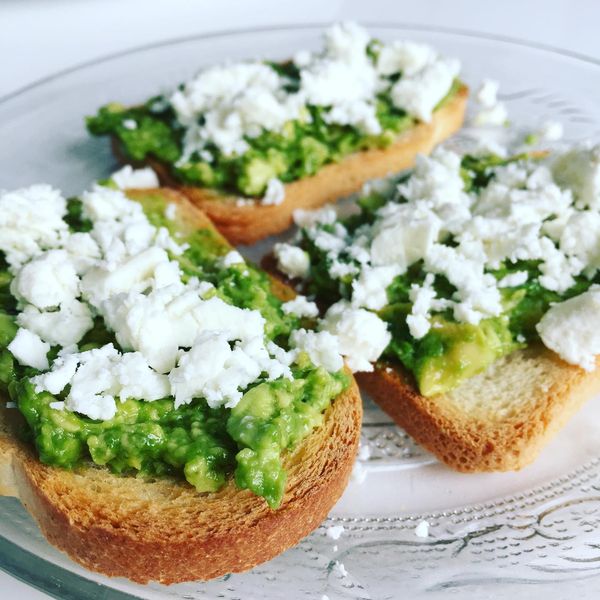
[(422, 529), (31, 220), (275, 192), (543, 210), (335, 531), (29, 349), (291, 260), (130, 178), (178, 339), (492, 112), (362, 336), (301, 307), (572, 329), (322, 348), (225, 105)]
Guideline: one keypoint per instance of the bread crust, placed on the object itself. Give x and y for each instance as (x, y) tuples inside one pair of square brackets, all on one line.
[(164, 530), (487, 438), (247, 224)]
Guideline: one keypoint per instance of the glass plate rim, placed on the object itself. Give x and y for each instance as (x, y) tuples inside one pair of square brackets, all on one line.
[(221, 33), (51, 578)]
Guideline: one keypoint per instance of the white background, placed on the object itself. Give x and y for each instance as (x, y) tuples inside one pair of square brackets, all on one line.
[(40, 37)]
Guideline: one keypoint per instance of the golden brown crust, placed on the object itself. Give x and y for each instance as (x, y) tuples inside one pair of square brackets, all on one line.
[(492, 431), (247, 224), (163, 529)]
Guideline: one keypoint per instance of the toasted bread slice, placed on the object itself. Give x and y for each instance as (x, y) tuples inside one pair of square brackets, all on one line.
[(163, 529), (249, 223), (498, 420)]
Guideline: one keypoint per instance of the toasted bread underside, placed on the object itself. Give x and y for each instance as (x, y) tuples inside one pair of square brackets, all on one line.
[(498, 420), (249, 223), (163, 529)]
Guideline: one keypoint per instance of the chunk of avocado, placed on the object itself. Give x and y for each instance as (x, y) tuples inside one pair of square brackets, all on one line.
[(460, 350), (258, 170)]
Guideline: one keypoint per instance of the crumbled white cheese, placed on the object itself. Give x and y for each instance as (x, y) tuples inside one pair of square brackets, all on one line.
[(401, 237), (362, 336), (339, 269), (343, 78), (83, 251), (552, 131), (522, 214), (579, 170), (364, 450), (130, 178), (335, 531), (487, 94), (175, 315), (572, 329), (291, 260), (105, 204), (580, 238), (171, 211), (275, 192), (370, 289), (209, 348), (224, 105), (301, 307), (420, 93), (422, 297), (63, 327), (48, 280), (342, 570), (31, 220), (494, 116), (492, 111), (213, 370), (56, 380), (403, 57), (233, 257), (29, 349), (422, 529), (321, 346), (359, 473), (326, 215), (96, 377), (514, 279), (236, 100), (137, 274)]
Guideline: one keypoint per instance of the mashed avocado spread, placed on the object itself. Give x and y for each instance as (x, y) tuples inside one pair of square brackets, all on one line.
[(205, 445), (451, 350), (321, 132)]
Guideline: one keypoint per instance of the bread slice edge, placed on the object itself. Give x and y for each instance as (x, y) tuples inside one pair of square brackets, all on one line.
[(499, 420)]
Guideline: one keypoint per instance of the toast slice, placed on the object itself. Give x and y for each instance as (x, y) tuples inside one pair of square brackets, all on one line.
[(248, 223), (498, 420), (163, 529)]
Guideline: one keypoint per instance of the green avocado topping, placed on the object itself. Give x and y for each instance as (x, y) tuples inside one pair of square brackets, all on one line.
[(299, 150), (204, 445)]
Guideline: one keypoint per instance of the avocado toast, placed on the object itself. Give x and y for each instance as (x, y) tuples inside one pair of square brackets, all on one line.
[(250, 142), (153, 460), (478, 278)]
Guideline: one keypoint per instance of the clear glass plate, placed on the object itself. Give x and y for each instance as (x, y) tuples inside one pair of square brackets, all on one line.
[(490, 534)]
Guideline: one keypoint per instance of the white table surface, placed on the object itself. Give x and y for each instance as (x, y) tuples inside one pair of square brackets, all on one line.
[(40, 37)]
